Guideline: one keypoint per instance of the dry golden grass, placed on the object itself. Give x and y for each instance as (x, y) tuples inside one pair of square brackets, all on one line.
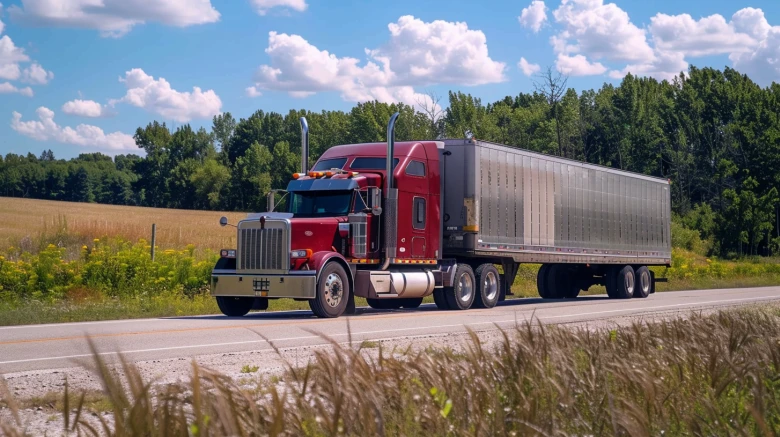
[(29, 218)]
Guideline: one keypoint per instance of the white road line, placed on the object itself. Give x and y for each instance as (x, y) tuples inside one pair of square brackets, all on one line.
[(419, 328)]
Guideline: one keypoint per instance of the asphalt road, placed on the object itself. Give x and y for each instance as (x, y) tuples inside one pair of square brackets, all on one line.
[(54, 346)]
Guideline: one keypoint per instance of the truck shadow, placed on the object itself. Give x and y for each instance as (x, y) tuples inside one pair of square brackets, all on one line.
[(367, 311)]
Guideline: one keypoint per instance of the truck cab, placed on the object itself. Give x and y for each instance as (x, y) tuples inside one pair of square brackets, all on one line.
[(341, 234)]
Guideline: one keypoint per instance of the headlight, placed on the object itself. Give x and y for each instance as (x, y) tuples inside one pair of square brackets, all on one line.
[(302, 253), (227, 253)]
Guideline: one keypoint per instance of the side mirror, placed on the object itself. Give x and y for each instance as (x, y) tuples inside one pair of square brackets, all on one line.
[(223, 221)]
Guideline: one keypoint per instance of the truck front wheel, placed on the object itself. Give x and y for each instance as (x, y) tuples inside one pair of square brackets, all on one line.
[(462, 294), (332, 294), (235, 306)]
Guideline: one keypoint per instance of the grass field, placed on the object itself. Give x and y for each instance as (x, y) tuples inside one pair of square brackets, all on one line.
[(25, 221)]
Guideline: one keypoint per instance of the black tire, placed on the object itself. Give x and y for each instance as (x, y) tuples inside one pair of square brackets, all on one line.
[(260, 303), (626, 282), (488, 286), (332, 294), (440, 300), (461, 295), (556, 282), (572, 289), (644, 282), (610, 279), (385, 304), (541, 281), (235, 306)]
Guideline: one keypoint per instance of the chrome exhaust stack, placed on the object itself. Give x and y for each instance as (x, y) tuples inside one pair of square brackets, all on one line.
[(304, 146), (391, 198)]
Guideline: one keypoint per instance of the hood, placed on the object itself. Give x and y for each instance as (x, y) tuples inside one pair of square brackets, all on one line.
[(317, 234)]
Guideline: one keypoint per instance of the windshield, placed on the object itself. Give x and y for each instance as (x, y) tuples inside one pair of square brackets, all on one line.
[(320, 203), (327, 164)]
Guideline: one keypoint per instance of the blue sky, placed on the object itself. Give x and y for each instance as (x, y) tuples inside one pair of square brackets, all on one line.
[(226, 50)]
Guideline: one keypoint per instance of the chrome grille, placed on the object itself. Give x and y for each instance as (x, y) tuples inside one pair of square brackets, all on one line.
[(262, 249)]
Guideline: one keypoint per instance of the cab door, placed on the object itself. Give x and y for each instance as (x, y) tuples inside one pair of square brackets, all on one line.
[(413, 209)]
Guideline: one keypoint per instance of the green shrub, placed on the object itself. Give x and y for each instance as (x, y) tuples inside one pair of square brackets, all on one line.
[(114, 268)]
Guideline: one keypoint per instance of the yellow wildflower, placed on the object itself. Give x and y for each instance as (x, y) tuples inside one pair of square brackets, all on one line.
[(96, 240)]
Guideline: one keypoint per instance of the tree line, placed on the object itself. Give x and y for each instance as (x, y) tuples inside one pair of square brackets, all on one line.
[(715, 134)]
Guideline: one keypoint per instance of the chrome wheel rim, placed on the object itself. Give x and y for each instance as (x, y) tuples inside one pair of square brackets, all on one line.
[(334, 289), (629, 283), (491, 286), (466, 287), (645, 282)]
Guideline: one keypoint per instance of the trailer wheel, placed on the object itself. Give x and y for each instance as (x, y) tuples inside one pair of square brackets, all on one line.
[(626, 282), (384, 304), (330, 299), (644, 282), (440, 300), (557, 282), (489, 288), (461, 296), (541, 280), (235, 306)]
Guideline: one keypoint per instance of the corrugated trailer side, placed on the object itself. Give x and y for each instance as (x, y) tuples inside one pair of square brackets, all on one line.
[(501, 201)]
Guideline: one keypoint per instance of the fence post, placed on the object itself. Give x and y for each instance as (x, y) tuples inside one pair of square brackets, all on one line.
[(154, 237)]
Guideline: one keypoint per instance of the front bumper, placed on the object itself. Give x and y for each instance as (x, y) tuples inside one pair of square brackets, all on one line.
[(296, 284)]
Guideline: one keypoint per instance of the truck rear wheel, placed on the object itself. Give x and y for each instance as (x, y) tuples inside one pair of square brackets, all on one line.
[(644, 282), (461, 295), (626, 282), (332, 294), (489, 288), (235, 306)]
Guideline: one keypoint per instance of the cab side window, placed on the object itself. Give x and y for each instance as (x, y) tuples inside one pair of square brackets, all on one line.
[(415, 168)]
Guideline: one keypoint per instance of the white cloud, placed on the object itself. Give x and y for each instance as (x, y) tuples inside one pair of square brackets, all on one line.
[(85, 108), (600, 31), (708, 36), (7, 88), (252, 91), (762, 64), (420, 54), (578, 65), (533, 16), (263, 6), (84, 135), (11, 57), (664, 66), (527, 68), (157, 96), (114, 17), (35, 74)]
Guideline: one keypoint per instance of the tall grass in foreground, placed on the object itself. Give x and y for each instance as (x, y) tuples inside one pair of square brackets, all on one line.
[(708, 375)]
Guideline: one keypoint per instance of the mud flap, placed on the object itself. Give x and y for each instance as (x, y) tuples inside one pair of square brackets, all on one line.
[(350, 309)]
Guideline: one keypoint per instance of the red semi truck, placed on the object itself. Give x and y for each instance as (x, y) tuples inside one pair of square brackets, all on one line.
[(440, 218)]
